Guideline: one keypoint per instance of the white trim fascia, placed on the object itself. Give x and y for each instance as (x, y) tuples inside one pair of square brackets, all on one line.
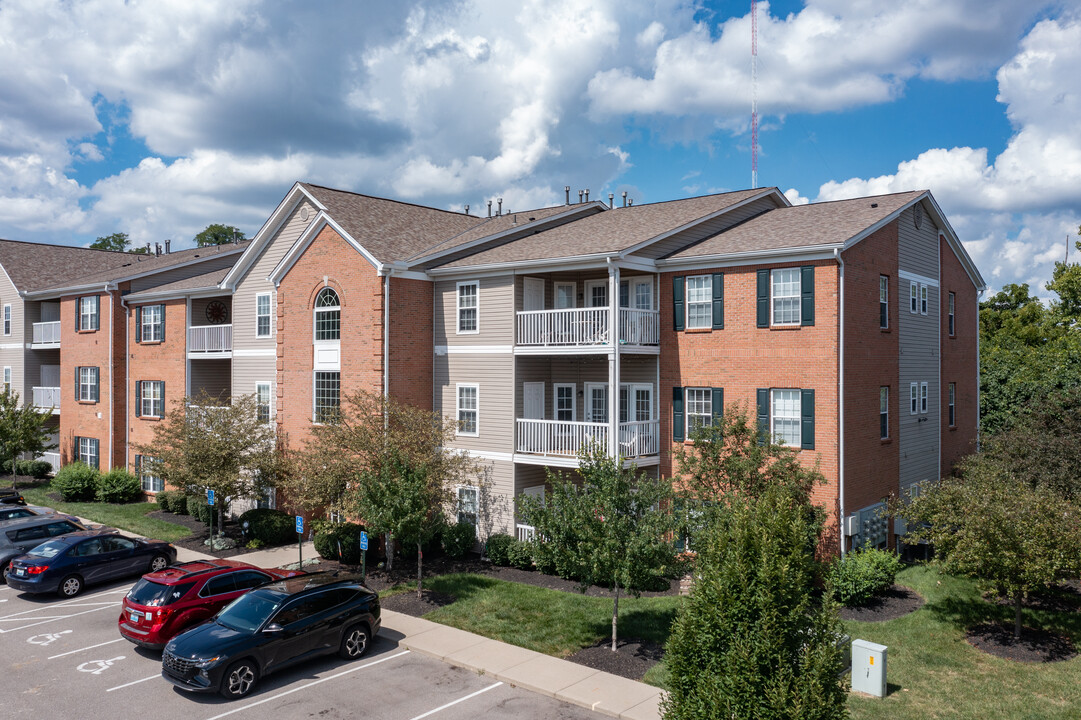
[(305, 240), (705, 218), (270, 228), (473, 349), (817, 252), (573, 262), (221, 355), (605, 349), (646, 265), (19, 346), (913, 277), (486, 454), (576, 209), (256, 352), (143, 297), (396, 269)]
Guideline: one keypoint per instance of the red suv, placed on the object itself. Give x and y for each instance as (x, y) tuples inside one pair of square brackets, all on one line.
[(166, 602)]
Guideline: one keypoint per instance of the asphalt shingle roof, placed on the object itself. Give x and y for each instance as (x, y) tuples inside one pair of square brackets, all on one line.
[(134, 264), (195, 282), (34, 266)]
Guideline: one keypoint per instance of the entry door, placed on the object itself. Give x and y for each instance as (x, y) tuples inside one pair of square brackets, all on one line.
[(533, 400), (597, 402), (533, 298)]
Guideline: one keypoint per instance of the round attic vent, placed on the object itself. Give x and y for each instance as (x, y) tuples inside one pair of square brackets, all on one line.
[(917, 215), (304, 213)]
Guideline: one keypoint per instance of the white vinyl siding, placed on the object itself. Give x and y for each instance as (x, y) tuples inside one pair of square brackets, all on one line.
[(7, 319), (700, 301), (785, 417), (262, 315), (785, 296), (468, 409), (468, 307)]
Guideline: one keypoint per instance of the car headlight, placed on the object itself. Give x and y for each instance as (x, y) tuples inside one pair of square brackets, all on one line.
[(206, 662)]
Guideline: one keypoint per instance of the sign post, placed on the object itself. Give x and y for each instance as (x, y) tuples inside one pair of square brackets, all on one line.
[(300, 540), (363, 554), (210, 503)]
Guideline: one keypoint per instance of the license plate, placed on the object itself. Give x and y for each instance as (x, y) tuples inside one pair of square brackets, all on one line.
[(20, 571), (135, 615)]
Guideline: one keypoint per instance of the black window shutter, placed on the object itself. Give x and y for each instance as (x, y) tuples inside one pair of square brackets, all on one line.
[(96, 392), (78, 314), (138, 397), (162, 316), (807, 415), (78, 388), (97, 312), (807, 295), (139, 324), (718, 404), (677, 414), (162, 399), (138, 465), (718, 301), (763, 298), (763, 415), (677, 302)]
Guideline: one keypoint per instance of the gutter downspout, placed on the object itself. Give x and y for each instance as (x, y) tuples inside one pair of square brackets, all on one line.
[(127, 381), (386, 343), (112, 388), (978, 380), (841, 404)]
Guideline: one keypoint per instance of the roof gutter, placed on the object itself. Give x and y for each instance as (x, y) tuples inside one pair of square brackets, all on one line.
[(600, 259), (823, 251)]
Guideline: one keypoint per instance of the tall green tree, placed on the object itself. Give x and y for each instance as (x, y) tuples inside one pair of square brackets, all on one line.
[(117, 242), (202, 446), (616, 523), (22, 430), (218, 234), (753, 641)]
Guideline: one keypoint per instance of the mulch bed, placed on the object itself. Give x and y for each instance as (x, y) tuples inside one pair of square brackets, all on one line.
[(632, 658), (200, 532), (408, 603), (1034, 646), (1062, 598), (897, 602)]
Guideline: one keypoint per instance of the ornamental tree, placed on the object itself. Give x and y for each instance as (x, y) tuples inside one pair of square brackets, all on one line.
[(22, 430)]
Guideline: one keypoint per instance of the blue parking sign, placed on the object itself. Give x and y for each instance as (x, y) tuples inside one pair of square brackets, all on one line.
[(363, 540), (300, 524), (209, 497)]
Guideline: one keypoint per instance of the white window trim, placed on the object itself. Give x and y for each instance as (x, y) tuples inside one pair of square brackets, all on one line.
[(913, 398), (773, 300), (270, 398), (555, 401), (952, 323), (144, 475), (313, 408), (799, 416), (7, 319), (884, 300), (144, 386), (951, 408), (587, 300), (144, 336), (884, 412), (588, 411), (327, 308), (458, 409), (270, 316), (7, 378), (458, 306), (708, 303), (923, 299), (688, 429), (90, 442), (574, 295), (913, 297), (923, 398), (458, 502), (89, 385)]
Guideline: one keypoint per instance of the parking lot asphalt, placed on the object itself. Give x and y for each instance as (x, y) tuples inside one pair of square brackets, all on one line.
[(65, 658)]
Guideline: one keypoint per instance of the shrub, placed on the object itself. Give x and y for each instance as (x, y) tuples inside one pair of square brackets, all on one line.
[(544, 557), (38, 469), (118, 486), (498, 548), (164, 499), (273, 527), (337, 541), (198, 508), (520, 555), (179, 503), (863, 575), (459, 539), (76, 482)]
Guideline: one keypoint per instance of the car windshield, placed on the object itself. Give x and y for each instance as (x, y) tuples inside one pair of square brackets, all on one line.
[(248, 612), (152, 594), (49, 549)]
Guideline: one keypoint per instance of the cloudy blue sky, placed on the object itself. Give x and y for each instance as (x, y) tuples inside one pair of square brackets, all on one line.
[(159, 117)]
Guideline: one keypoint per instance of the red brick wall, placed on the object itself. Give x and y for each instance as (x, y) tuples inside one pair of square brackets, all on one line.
[(743, 357), (959, 361), (160, 361), (872, 465), (412, 312)]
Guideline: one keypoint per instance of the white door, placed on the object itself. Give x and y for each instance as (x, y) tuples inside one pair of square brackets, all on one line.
[(597, 293), (534, 294), (533, 400), (597, 402), (565, 295)]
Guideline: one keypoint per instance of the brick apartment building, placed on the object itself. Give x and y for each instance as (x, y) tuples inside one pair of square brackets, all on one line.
[(848, 328)]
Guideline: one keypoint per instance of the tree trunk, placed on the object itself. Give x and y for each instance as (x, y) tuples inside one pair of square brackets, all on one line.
[(615, 617), (390, 550), (1017, 615), (420, 569)]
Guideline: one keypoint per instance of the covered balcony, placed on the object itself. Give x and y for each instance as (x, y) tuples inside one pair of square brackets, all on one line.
[(47, 397), (210, 341), (563, 439), (580, 327), (46, 335)]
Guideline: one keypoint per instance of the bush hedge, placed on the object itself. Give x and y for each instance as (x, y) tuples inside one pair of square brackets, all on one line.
[(118, 486), (863, 575), (272, 527), (498, 548), (76, 482), (198, 509), (337, 541), (520, 555), (164, 499), (179, 503), (459, 539), (38, 469)]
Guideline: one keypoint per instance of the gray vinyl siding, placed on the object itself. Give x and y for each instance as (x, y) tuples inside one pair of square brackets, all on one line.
[(213, 376), (495, 511), (181, 273), (247, 371), (706, 229), (495, 313), (13, 347), (579, 370), (494, 376), (918, 338)]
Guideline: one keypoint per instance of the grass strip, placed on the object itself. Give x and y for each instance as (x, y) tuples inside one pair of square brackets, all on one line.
[(131, 517)]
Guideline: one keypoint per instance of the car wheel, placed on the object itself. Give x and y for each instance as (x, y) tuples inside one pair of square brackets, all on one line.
[(239, 679), (158, 562), (355, 641), (70, 586)]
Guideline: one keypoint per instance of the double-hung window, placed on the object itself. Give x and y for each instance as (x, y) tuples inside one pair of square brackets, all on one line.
[(565, 403), (7, 319), (144, 465), (468, 405), (700, 301), (262, 401), (467, 505), (952, 405), (328, 396), (913, 398), (785, 296), (923, 398), (262, 315), (952, 327), (699, 408), (913, 297), (923, 299), (884, 412), (787, 415), (150, 395), (87, 313), (328, 315), (7, 380), (151, 324), (87, 450), (883, 302), (86, 388), (468, 307)]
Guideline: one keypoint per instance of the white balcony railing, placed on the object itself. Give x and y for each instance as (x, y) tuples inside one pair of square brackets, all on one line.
[(525, 533), (47, 333), (557, 437), (53, 458), (47, 397), (210, 338), (586, 326)]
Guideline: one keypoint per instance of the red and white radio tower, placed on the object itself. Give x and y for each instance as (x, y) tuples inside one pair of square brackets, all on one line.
[(754, 94)]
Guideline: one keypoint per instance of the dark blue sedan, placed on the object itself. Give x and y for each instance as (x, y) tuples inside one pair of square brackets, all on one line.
[(65, 565)]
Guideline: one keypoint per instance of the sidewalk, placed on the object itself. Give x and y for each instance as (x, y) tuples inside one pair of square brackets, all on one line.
[(564, 680)]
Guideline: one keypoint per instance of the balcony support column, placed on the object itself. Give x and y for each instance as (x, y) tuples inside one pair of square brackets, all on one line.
[(613, 359)]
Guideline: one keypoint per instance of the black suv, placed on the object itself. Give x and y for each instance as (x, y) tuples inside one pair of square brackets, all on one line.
[(273, 626)]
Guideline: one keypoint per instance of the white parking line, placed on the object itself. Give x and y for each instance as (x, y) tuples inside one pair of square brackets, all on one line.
[(315, 682), (133, 682), (455, 702), (51, 618), (72, 652), (76, 602)]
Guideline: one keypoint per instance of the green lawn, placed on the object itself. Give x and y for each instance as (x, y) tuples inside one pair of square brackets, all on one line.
[(126, 517), (933, 672)]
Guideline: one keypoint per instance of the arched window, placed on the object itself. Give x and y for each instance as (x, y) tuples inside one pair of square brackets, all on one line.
[(328, 315)]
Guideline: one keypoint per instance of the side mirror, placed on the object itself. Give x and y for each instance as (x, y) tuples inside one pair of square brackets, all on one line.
[(273, 628)]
